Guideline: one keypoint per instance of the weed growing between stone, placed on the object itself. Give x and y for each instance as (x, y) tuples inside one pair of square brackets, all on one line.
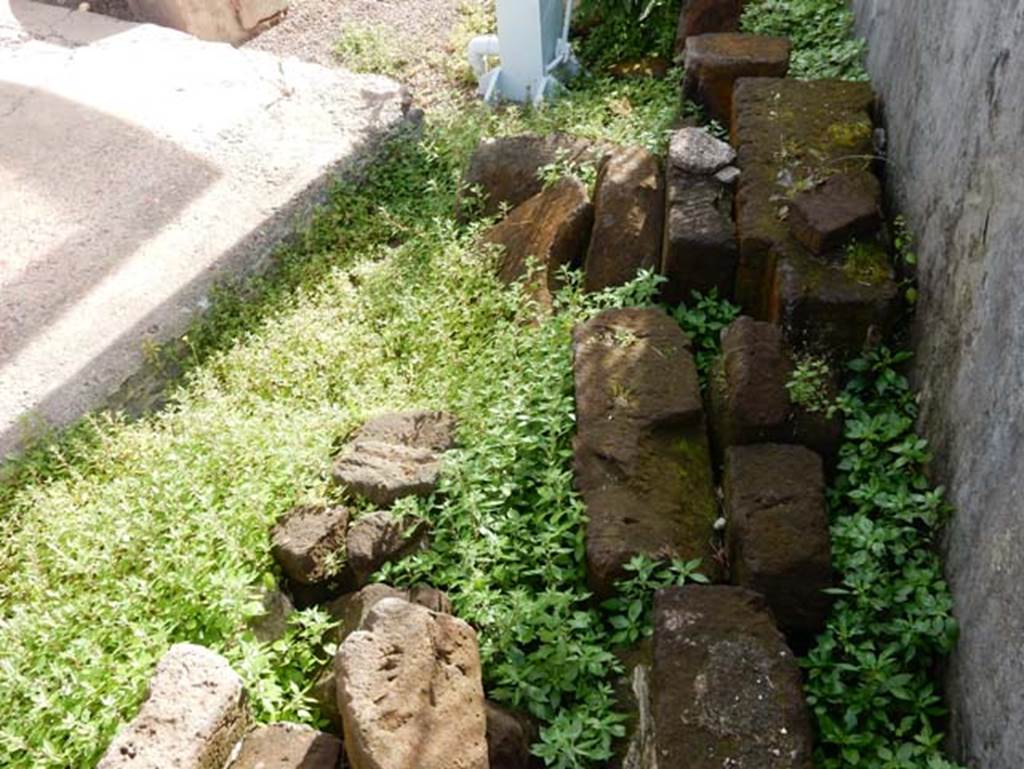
[(121, 538), (871, 675), (617, 31)]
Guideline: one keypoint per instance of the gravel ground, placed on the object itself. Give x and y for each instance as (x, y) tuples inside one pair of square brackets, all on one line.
[(420, 31)]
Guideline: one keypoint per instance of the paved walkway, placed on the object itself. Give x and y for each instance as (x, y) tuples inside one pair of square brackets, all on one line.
[(138, 166)]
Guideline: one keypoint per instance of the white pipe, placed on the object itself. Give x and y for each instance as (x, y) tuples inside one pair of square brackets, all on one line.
[(478, 51)]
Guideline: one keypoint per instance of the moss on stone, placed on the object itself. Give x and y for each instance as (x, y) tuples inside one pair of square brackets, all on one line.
[(867, 262)]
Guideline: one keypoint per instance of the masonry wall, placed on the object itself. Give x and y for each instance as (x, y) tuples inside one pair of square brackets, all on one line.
[(950, 74)]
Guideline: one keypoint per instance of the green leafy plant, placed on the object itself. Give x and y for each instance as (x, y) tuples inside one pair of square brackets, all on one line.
[(565, 166), (870, 676), (809, 384), (626, 30), (630, 612), (820, 31), (703, 320)]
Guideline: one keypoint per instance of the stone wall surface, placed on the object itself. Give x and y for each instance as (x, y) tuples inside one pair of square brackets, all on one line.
[(949, 74)]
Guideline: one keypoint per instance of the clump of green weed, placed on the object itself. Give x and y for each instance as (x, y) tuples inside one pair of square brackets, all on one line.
[(810, 384), (369, 49)]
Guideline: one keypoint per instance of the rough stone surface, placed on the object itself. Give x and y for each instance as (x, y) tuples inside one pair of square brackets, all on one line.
[(699, 248), (629, 208), (410, 692), (272, 624), (702, 17), (727, 690), (306, 540), (324, 693), (505, 170), (377, 538), (552, 230), (694, 150), (778, 536), (641, 457), (789, 134), (949, 75), (509, 736), (228, 21), (193, 715), (114, 234), (749, 400), (351, 610), (288, 746), (844, 206), (715, 62), (395, 455)]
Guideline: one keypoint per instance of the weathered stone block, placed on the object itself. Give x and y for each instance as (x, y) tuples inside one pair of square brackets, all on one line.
[(726, 688), (641, 457), (352, 609), (715, 62), (843, 207), (272, 624), (410, 691), (749, 400), (632, 691), (288, 746), (380, 537), (702, 17), (227, 21), (777, 534), (506, 170), (307, 541), (629, 208), (552, 229), (395, 455), (699, 251), (192, 718)]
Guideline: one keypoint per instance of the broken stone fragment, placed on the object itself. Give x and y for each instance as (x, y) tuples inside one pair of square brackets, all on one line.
[(728, 175), (509, 737), (632, 692), (410, 691), (628, 212), (726, 689), (272, 623), (843, 207), (701, 17), (714, 63), (507, 170), (288, 746), (641, 457), (551, 230), (395, 455), (192, 717), (308, 543), (778, 535), (696, 151), (378, 538)]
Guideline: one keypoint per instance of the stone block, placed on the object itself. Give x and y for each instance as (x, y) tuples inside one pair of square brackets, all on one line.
[(288, 746), (410, 691), (632, 692), (378, 538), (308, 542), (629, 208), (509, 737), (777, 535), (395, 455), (695, 151), (506, 171), (193, 716), (726, 689), (552, 230), (699, 247), (272, 624), (714, 62), (702, 17), (843, 207), (641, 457), (748, 395)]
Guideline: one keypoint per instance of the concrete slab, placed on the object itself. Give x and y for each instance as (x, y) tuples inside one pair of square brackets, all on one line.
[(139, 166)]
